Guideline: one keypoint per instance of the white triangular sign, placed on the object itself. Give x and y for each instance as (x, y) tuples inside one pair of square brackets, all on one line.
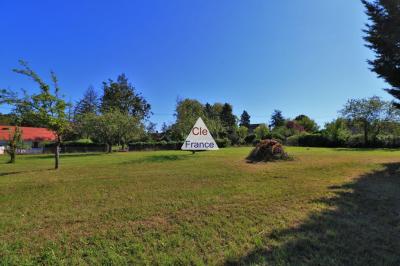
[(199, 138)]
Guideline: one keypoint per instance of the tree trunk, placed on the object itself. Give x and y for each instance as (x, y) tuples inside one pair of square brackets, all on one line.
[(57, 155), (12, 155)]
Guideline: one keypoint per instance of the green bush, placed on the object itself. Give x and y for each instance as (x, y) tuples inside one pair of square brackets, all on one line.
[(313, 140), (277, 136), (223, 143), (356, 141), (160, 145), (293, 140), (309, 140), (388, 141), (73, 144), (249, 139)]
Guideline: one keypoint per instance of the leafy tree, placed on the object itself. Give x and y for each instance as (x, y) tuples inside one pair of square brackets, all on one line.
[(151, 127), (242, 133), (337, 131), (383, 38), (369, 113), (277, 119), (14, 142), (187, 112), (7, 119), (164, 127), (113, 127), (261, 131), (217, 108), (121, 95), (46, 108), (88, 104), (245, 119), (227, 117), (210, 112), (307, 123)]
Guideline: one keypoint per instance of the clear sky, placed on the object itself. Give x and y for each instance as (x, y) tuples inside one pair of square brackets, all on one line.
[(304, 56)]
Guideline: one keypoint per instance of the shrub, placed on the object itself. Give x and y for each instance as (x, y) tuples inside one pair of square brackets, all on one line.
[(356, 141), (161, 145), (313, 140), (267, 150), (261, 131), (293, 140), (249, 139), (388, 141), (222, 143), (277, 136)]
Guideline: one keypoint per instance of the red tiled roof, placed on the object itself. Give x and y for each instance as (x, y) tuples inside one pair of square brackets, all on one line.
[(28, 133)]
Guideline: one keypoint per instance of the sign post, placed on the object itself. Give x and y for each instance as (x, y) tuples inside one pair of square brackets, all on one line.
[(199, 138)]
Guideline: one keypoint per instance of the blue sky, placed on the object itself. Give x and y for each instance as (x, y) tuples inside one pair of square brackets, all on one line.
[(303, 56)]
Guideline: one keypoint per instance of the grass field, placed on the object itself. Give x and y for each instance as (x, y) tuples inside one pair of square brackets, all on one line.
[(327, 206)]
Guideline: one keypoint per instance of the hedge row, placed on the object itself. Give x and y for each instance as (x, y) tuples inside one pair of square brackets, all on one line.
[(75, 147), (162, 145), (171, 145), (354, 141)]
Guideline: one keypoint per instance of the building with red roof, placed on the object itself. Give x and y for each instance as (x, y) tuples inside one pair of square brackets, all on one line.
[(30, 135)]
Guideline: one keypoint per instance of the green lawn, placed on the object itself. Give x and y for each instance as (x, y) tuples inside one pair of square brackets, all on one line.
[(327, 206)]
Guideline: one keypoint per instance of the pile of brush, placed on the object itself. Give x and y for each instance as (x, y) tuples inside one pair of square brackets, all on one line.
[(267, 150)]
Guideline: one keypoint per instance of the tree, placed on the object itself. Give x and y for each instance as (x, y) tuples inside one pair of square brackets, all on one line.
[(307, 123), (14, 142), (245, 119), (369, 113), (121, 95), (212, 119), (383, 38), (227, 117), (210, 112), (7, 119), (46, 108), (261, 131), (242, 133), (113, 127), (187, 112), (88, 104), (277, 119), (337, 131)]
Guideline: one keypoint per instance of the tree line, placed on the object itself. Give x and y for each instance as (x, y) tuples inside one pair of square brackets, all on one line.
[(120, 115)]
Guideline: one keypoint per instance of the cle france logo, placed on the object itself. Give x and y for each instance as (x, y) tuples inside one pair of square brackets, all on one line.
[(199, 138)]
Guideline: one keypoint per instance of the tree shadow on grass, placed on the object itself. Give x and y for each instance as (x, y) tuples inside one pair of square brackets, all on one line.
[(62, 155), (360, 227), (22, 172), (367, 149), (158, 159)]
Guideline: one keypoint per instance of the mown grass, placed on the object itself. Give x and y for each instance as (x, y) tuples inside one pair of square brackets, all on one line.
[(327, 206)]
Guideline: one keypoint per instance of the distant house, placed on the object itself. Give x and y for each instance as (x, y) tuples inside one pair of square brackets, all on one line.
[(31, 136)]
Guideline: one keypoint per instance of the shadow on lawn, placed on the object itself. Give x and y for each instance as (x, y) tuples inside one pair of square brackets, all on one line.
[(63, 155), (367, 149), (22, 172), (361, 227), (158, 159)]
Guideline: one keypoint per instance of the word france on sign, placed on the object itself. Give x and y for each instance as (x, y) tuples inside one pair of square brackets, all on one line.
[(199, 138)]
